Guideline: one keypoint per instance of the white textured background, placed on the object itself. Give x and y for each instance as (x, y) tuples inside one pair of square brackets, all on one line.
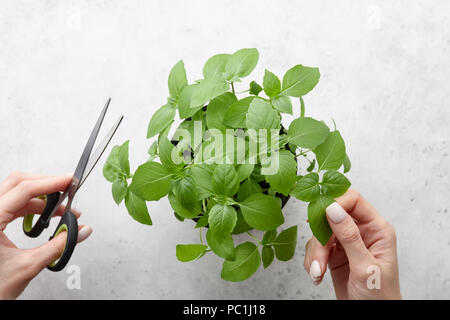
[(385, 80)]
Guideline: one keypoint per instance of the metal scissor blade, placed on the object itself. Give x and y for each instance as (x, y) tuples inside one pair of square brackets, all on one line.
[(93, 159), (88, 148)]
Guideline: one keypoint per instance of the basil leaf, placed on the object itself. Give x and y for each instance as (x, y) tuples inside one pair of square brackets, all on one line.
[(119, 190), (283, 181), (347, 164), (151, 181), (225, 180), (186, 191), (269, 237), (317, 219), (235, 114), (247, 261), (285, 244), (300, 80), (217, 109), (261, 115), (311, 166), (184, 103), (177, 80), (153, 150), (255, 88), (111, 169), (203, 179), (241, 63), (207, 90), (189, 252), (202, 222), (271, 84), (223, 246), (137, 208), (307, 132), (215, 66), (307, 188), (160, 120), (247, 188), (262, 212), (222, 219), (123, 158), (244, 171), (331, 153), (282, 104), (166, 155), (334, 184), (267, 255), (241, 225), (187, 213)]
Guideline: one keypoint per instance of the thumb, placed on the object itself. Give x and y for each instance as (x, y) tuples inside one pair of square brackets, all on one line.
[(347, 233), (50, 251)]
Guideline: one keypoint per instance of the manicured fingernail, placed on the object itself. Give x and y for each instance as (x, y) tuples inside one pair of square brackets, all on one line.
[(84, 233), (69, 174), (314, 272), (336, 213)]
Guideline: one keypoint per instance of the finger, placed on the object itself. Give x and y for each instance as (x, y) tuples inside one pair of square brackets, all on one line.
[(52, 250), (15, 178), (18, 197), (316, 259), (358, 207), (347, 233), (37, 206)]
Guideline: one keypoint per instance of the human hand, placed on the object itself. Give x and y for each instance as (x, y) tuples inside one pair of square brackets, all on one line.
[(363, 247), (17, 198)]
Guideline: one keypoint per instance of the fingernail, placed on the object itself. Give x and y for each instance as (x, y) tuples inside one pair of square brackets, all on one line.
[(314, 272), (336, 213), (84, 233), (69, 174)]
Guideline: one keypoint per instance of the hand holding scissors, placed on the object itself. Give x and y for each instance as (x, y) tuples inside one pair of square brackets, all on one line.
[(18, 198)]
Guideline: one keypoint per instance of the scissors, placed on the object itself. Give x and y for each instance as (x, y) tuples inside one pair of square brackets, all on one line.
[(68, 220)]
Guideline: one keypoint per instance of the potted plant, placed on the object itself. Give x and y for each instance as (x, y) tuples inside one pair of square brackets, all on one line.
[(230, 166)]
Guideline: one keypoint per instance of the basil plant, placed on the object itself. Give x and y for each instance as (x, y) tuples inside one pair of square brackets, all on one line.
[(230, 166)]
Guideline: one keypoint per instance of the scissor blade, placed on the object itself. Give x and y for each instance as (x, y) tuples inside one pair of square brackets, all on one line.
[(93, 159), (88, 148)]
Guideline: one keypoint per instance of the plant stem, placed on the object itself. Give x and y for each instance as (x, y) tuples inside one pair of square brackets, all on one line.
[(254, 238), (232, 87), (302, 108), (200, 232)]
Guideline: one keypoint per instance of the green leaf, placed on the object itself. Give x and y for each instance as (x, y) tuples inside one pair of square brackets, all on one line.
[(318, 220), (334, 184), (217, 109), (186, 191), (137, 208), (255, 88), (347, 164), (123, 158), (269, 237), (285, 244), (307, 188), (215, 66), (222, 219), (331, 153), (300, 80), (225, 180), (261, 115), (167, 156), (262, 212), (207, 90), (267, 256), (203, 179), (241, 63), (311, 166), (247, 188), (235, 114), (241, 225), (184, 103), (202, 221), (244, 170), (271, 83), (111, 169), (247, 261), (151, 181), (119, 190), (223, 245), (282, 104), (177, 80), (283, 181), (160, 120), (187, 213), (307, 132), (189, 252), (153, 150)]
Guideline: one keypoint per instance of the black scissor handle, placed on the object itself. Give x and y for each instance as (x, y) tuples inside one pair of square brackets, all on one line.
[(67, 223), (42, 223)]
